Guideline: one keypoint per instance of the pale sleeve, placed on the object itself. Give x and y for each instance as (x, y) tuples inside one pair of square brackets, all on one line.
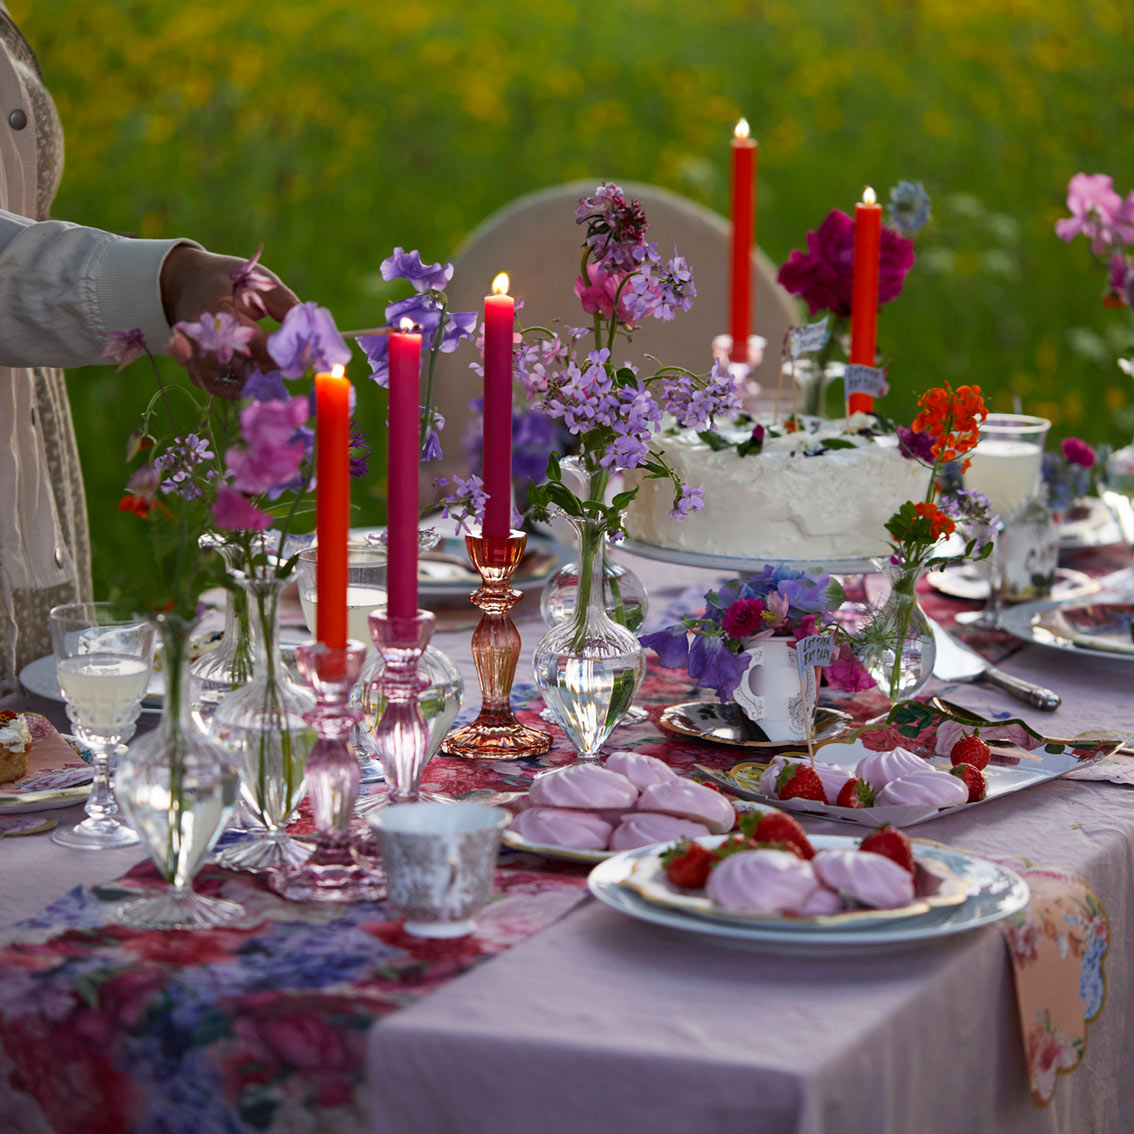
[(64, 286)]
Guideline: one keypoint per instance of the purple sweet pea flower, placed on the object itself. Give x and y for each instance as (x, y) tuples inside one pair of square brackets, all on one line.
[(714, 666), (265, 387), (671, 644), (235, 513), (307, 338), (221, 334), (402, 265), (458, 325), (422, 310), (124, 347), (377, 351)]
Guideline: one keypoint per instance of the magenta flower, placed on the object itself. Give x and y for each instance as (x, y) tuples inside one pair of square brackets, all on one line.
[(1097, 211), (221, 334), (597, 292), (248, 281), (744, 618), (274, 453), (1078, 452), (824, 274), (846, 672), (235, 513), (124, 347)]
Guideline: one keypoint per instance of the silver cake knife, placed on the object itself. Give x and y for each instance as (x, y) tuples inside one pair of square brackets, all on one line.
[(957, 662)]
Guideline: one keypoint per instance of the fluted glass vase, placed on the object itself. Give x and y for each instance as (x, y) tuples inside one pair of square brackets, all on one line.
[(262, 725), (896, 645), (177, 787), (229, 666), (588, 668)]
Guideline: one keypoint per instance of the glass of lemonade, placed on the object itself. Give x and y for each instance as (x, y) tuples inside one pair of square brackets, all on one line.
[(103, 663), (1007, 467), (366, 587)]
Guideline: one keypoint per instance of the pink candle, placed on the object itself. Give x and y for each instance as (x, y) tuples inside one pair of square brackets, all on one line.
[(332, 505), (499, 317), (402, 471)]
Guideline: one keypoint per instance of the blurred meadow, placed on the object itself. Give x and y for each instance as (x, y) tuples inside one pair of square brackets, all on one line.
[(333, 130)]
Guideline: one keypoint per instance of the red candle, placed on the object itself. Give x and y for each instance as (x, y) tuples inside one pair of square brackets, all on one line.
[(332, 505), (499, 318), (404, 461), (864, 296), (743, 235)]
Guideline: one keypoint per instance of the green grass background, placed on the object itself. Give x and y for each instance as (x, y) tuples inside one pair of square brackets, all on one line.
[(333, 130)]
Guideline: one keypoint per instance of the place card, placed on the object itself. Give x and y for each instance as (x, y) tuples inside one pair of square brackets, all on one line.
[(810, 337), (859, 379), (817, 649)]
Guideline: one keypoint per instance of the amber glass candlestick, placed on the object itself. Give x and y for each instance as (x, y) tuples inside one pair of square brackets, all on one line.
[(496, 734)]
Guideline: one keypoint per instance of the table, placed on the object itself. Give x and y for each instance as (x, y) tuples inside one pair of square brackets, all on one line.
[(604, 1024)]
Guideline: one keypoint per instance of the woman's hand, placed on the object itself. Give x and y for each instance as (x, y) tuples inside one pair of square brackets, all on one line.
[(194, 281)]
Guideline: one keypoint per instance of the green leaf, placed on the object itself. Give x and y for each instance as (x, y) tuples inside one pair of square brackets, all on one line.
[(839, 443), (714, 440), (622, 499), (553, 470)]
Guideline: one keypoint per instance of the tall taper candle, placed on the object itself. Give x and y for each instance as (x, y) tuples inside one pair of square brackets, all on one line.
[(864, 293), (499, 318), (743, 235), (403, 466), (332, 505)]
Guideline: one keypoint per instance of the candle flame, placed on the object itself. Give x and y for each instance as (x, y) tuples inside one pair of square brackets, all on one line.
[(337, 371), (741, 130), (500, 284), (406, 324), (868, 197)]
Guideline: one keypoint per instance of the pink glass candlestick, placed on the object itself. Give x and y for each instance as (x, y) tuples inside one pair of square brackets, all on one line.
[(496, 734), (401, 736), (332, 873)]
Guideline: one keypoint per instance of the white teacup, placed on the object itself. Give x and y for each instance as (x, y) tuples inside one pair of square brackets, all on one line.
[(440, 861)]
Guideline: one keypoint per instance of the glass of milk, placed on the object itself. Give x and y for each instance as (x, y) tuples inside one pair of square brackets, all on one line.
[(366, 587), (1006, 466)]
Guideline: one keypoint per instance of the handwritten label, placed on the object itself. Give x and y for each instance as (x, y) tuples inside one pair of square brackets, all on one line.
[(818, 649), (809, 337), (859, 379)]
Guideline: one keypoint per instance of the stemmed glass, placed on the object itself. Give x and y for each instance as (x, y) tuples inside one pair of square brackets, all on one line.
[(1006, 466), (366, 587), (103, 663)]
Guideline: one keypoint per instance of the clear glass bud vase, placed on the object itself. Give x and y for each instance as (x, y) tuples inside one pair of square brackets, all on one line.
[(896, 645), (229, 666), (624, 594), (588, 668), (262, 725), (177, 788)]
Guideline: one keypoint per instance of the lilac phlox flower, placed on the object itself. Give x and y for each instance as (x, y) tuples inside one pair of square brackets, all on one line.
[(916, 446), (274, 453), (221, 334), (695, 403), (262, 387), (307, 339), (714, 666), (466, 500), (1097, 211), (662, 294), (909, 207), (671, 644), (177, 463), (687, 501), (235, 512), (973, 515), (402, 265), (615, 227), (1078, 452), (248, 281), (124, 347), (359, 451)]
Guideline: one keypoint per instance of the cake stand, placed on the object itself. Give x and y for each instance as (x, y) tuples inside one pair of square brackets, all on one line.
[(854, 565)]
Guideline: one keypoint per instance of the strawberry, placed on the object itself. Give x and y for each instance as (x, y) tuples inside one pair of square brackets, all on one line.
[(970, 749), (687, 865), (855, 793), (973, 779), (892, 843), (799, 781), (776, 827)]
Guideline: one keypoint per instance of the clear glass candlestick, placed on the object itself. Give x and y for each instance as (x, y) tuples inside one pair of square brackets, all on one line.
[(332, 873)]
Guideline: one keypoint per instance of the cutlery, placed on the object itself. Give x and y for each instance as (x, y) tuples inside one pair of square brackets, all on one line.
[(957, 662)]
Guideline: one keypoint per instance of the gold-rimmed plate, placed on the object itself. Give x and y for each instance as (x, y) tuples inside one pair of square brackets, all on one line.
[(724, 722)]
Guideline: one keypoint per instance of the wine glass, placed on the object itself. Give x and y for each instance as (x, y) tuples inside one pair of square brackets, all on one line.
[(1006, 466), (1117, 488), (366, 587), (103, 663)]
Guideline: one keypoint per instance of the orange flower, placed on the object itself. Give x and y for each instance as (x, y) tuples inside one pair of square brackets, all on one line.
[(952, 418), (139, 505), (941, 524)]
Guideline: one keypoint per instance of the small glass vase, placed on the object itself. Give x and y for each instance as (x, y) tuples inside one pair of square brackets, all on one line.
[(262, 724), (896, 645), (177, 788), (588, 668)]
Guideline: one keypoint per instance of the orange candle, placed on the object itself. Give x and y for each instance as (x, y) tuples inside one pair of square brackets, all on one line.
[(332, 505), (864, 294), (743, 235)]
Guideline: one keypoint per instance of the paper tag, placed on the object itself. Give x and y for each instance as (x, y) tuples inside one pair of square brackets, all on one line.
[(859, 379), (818, 649), (809, 337)]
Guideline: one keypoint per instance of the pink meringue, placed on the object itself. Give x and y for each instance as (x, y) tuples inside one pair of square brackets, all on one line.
[(832, 776), (641, 770), (879, 768), (688, 800), (583, 785), (862, 876), (560, 827), (937, 789), (821, 902), (644, 828), (762, 881)]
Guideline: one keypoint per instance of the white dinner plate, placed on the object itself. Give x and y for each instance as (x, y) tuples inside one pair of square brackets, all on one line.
[(968, 581), (1023, 622), (1098, 528), (994, 893)]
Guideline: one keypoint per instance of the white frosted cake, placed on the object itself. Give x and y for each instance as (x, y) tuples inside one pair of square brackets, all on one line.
[(822, 493)]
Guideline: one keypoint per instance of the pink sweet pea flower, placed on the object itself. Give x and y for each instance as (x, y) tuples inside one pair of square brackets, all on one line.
[(1097, 211), (247, 281), (124, 347), (235, 513), (597, 292), (222, 334), (271, 458)]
